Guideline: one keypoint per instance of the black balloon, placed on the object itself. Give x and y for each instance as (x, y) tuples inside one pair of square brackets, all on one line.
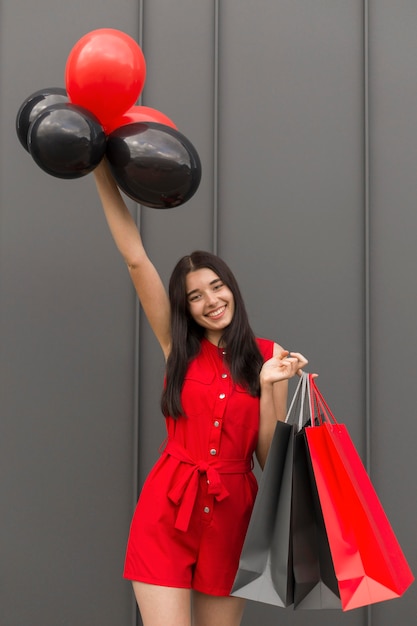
[(33, 106), (66, 141), (154, 164)]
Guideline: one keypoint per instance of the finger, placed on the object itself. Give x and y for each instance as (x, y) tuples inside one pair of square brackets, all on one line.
[(283, 354), (290, 361), (298, 356)]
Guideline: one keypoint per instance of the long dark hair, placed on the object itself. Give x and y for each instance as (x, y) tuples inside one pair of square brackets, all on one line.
[(242, 353)]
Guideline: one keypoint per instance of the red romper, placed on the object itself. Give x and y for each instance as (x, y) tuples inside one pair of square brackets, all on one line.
[(192, 515)]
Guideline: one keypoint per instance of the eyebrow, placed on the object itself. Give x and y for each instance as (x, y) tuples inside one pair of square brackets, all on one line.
[(213, 282)]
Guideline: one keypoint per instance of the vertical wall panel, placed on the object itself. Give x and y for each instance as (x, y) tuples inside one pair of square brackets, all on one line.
[(393, 106), (67, 320), (291, 202)]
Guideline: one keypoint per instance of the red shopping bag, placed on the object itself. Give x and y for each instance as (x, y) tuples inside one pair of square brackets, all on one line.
[(368, 561)]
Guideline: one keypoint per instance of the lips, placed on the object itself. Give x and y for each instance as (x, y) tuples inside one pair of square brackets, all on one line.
[(217, 313)]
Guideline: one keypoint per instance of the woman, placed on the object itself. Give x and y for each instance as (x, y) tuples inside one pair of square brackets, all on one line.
[(223, 394)]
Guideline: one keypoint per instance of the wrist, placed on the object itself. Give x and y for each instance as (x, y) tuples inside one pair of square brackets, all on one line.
[(265, 383)]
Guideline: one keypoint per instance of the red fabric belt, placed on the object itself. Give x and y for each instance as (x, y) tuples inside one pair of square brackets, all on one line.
[(184, 491)]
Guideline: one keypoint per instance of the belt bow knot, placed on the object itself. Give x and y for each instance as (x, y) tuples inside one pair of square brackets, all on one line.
[(184, 491)]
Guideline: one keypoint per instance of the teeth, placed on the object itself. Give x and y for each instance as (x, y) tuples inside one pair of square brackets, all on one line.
[(217, 312)]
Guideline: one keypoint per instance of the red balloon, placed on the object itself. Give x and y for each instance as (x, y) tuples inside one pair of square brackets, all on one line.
[(105, 73), (139, 114)]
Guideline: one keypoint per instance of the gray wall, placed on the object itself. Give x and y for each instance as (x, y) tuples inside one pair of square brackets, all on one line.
[(303, 114)]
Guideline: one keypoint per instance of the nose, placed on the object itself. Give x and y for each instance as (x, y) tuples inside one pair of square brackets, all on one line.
[(211, 298)]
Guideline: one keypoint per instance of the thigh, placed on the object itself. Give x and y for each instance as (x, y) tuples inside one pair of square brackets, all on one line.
[(216, 610), (163, 606)]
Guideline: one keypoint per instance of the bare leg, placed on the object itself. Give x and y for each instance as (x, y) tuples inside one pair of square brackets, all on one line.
[(163, 606), (217, 611)]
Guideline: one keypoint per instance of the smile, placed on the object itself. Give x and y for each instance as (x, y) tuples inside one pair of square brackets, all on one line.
[(217, 312)]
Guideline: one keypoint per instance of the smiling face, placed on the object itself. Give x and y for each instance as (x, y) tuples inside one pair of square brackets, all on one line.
[(210, 302)]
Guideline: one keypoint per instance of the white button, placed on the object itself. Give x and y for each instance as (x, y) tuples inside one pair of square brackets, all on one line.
[(206, 509), (213, 452), (222, 396), (224, 375), (216, 423)]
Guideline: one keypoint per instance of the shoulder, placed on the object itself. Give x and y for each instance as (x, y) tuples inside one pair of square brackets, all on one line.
[(266, 347)]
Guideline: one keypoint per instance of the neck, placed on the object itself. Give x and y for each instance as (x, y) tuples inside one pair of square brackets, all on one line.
[(214, 337)]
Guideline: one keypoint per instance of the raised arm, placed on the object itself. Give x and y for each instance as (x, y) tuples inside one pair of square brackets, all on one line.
[(146, 280)]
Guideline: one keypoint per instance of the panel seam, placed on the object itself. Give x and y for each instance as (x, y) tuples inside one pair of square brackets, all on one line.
[(367, 260), (367, 239), (136, 366), (215, 233)]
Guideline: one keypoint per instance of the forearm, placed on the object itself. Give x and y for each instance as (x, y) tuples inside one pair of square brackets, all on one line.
[(273, 407), (145, 277), (121, 224)]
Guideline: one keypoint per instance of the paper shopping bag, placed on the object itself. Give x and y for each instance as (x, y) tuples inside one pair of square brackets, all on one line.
[(315, 582), (369, 563), (254, 577), (265, 568)]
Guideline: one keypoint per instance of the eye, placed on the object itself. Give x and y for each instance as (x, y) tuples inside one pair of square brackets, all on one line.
[(194, 297), (218, 286)]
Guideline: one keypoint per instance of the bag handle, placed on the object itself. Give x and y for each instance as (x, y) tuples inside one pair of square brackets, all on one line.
[(299, 411), (318, 405)]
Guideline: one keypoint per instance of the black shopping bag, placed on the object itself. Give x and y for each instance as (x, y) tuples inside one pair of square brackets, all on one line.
[(315, 583), (265, 572)]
